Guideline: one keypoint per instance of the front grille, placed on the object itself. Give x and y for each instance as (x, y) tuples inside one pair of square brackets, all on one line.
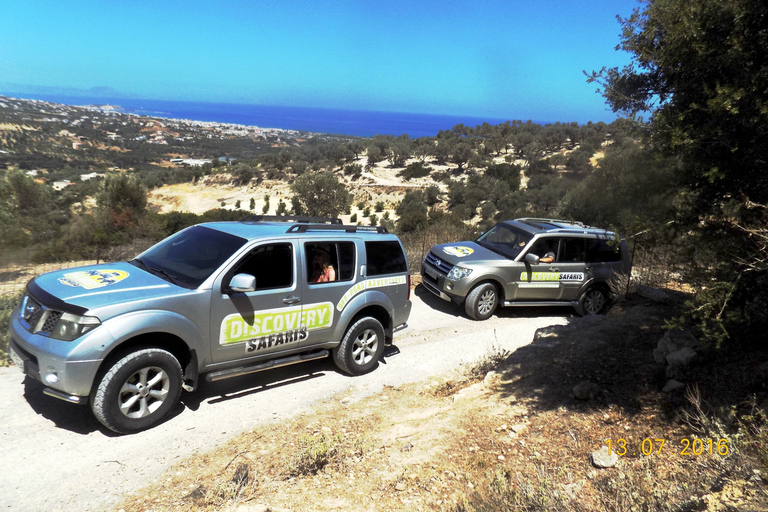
[(37, 318), (51, 320), (439, 264)]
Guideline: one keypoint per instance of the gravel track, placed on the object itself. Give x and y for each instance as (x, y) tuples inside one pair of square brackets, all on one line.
[(56, 456)]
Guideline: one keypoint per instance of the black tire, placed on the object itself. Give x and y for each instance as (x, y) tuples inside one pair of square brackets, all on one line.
[(138, 391), (482, 301), (361, 348), (594, 301)]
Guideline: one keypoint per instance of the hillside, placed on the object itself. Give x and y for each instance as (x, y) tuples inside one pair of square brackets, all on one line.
[(378, 183), (56, 161)]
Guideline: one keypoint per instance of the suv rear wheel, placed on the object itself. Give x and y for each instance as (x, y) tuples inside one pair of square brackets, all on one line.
[(138, 391), (482, 301), (592, 302), (360, 350)]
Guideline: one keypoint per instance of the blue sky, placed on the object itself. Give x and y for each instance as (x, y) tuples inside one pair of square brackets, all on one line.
[(516, 59)]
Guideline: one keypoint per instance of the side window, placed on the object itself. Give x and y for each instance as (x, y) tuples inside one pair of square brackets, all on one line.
[(385, 258), (599, 250), (330, 261), (545, 248), (573, 250), (272, 265)]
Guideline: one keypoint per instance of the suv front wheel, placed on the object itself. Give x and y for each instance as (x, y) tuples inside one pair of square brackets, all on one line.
[(482, 301), (360, 350), (138, 391)]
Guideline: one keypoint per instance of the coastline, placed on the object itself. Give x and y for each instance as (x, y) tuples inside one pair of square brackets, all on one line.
[(358, 123)]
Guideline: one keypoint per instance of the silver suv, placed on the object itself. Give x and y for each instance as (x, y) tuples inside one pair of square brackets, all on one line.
[(222, 299), (528, 262)]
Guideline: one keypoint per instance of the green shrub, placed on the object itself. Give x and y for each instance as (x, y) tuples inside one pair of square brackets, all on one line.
[(415, 170), (7, 303), (314, 453)]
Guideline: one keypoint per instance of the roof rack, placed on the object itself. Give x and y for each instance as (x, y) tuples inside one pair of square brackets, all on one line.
[(303, 228), (550, 221), (292, 218)]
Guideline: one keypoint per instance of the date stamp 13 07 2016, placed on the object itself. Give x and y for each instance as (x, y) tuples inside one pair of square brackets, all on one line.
[(648, 446)]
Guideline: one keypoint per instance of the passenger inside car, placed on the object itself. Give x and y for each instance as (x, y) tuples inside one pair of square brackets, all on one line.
[(322, 269)]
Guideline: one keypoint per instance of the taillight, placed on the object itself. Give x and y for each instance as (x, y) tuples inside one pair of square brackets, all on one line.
[(409, 286)]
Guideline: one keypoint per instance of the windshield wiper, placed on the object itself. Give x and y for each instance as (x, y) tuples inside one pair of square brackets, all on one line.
[(169, 277), (141, 263)]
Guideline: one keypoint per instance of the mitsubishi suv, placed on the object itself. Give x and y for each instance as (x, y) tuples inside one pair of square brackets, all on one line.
[(528, 262), (221, 299)]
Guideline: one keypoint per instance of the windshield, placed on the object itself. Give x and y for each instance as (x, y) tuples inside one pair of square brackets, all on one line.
[(505, 240), (190, 256)]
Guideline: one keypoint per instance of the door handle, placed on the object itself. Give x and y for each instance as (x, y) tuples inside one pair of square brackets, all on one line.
[(291, 300), (554, 270)]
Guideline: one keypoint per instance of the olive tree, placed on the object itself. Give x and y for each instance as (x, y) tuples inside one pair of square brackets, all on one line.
[(320, 194)]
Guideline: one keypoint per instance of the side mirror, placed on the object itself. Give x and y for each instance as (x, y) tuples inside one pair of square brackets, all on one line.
[(242, 283), (532, 259)]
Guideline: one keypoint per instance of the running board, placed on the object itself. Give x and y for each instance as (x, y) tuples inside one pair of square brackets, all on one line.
[(513, 303), (269, 365), (73, 399)]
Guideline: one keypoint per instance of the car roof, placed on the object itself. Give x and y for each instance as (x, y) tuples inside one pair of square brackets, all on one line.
[(536, 226), (251, 229)]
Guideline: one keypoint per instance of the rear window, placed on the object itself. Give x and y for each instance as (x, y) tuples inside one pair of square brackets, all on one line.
[(572, 251), (340, 256), (385, 258), (601, 251)]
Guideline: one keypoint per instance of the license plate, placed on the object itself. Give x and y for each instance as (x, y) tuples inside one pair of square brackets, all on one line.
[(431, 273), (16, 358)]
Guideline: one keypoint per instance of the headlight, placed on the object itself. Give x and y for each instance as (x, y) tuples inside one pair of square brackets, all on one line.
[(70, 327), (457, 273)]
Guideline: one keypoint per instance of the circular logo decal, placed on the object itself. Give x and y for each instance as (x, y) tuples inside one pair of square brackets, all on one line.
[(90, 279), (458, 251)]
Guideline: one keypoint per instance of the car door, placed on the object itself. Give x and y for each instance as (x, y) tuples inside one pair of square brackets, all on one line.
[(265, 320), (540, 282), (328, 272)]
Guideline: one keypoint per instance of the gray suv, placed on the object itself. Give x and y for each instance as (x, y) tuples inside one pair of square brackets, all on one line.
[(528, 262), (222, 299)]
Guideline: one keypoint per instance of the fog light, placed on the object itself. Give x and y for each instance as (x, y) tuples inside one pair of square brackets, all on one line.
[(449, 286), (52, 378)]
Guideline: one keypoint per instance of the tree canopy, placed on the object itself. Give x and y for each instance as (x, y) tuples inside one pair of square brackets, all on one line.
[(700, 69), (320, 194)]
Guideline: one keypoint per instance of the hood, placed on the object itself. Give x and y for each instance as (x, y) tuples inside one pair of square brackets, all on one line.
[(97, 286), (465, 253)]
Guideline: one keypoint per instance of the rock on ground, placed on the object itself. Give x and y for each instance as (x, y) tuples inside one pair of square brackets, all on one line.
[(604, 458)]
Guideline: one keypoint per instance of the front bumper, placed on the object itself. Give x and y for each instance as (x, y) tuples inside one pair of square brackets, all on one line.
[(438, 283), (59, 365)]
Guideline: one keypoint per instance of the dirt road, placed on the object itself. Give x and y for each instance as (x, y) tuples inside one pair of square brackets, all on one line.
[(56, 456)]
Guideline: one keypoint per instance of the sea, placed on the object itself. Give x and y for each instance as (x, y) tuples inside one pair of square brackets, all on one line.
[(360, 123)]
